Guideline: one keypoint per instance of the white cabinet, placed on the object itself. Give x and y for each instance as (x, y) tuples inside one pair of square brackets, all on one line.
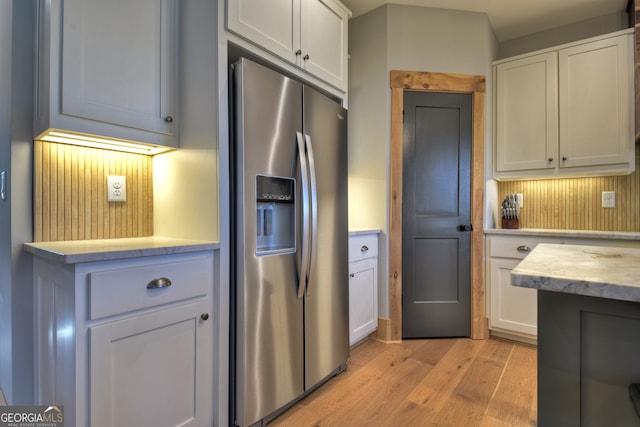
[(108, 69), (527, 113), (512, 310), (312, 34), (127, 342), (363, 286), (566, 111)]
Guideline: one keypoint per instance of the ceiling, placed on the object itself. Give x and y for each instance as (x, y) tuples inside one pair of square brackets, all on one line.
[(512, 18)]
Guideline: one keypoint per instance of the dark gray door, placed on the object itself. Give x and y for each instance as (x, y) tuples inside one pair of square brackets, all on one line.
[(436, 215)]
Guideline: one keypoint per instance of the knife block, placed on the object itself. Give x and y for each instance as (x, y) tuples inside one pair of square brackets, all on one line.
[(511, 223)]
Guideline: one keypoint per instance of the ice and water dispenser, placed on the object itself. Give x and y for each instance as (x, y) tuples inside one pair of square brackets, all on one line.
[(275, 215)]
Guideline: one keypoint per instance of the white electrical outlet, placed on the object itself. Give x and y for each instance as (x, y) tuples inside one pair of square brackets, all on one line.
[(116, 188), (608, 199)]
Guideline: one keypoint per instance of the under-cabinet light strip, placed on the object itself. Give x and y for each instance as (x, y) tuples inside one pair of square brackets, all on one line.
[(94, 142)]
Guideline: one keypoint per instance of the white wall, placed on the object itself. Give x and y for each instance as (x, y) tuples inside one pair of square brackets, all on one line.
[(401, 38), (368, 125), (186, 181)]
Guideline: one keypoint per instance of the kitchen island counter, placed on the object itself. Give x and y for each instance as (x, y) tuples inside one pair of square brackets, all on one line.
[(606, 272), (588, 332)]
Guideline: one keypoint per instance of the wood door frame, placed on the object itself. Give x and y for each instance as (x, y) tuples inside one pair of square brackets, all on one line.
[(436, 82)]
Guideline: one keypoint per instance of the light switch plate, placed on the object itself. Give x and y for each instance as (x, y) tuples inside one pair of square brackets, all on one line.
[(116, 188), (608, 199)]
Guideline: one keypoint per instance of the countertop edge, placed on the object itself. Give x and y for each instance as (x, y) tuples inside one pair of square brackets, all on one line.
[(79, 251), (359, 231), (577, 287)]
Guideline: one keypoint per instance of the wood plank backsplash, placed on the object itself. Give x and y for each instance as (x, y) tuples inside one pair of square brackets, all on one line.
[(576, 203), (70, 193)]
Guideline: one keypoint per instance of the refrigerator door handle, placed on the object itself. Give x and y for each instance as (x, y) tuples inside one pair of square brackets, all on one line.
[(314, 212), (304, 174)]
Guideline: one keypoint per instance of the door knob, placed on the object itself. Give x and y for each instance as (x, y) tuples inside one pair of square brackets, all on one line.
[(204, 316), (465, 227)]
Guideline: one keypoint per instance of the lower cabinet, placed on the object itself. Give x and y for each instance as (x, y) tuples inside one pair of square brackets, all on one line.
[(127, 342), (513, 309), (363, 286)]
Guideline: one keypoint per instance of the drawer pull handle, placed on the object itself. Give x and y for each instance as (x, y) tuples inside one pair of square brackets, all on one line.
[(161, 282), (364, 248), (204, 316), (524, 248)]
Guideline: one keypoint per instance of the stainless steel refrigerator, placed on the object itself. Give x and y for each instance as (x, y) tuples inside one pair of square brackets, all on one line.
[(290, 320)]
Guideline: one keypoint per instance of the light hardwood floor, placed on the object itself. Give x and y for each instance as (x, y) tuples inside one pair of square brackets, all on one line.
[(454, 382)]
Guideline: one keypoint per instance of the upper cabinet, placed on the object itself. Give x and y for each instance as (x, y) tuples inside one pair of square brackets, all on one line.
[(566, 111), (312, 34), (108, 69)]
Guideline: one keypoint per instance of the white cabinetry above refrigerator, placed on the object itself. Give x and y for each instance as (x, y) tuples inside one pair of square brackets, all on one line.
[(311, 34)]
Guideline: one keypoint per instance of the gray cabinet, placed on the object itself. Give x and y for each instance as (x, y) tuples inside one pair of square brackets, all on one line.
[(108, 69)]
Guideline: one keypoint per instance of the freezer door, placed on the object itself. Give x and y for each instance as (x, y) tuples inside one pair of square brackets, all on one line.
[(327, 299), (268, 316)]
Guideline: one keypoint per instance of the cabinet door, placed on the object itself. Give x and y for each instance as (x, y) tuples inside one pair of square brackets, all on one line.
[(324, 40), (512, 308), (153, 369), (363, 299), (527, 113), (273, 25), (119, 61), (596, 103)]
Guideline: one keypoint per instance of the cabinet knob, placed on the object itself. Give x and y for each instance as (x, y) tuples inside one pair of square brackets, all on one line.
[(364, 248), (550, 159), (298, 52), (306, 57), (564, 159), (523, 248), (204, 316), (352, 275), (168, 119), (161, 282), (465, 227)]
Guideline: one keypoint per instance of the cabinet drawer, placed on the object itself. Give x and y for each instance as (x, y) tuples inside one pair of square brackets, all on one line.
[(515, 247), (123, 290), (363, 246)]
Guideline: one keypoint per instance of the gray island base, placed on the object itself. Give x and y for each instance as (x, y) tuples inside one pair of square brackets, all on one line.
[(588, 332)]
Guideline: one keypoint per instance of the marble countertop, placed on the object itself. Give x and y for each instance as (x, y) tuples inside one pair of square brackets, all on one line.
[(605, 272), (588, 234), (76, 251)]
